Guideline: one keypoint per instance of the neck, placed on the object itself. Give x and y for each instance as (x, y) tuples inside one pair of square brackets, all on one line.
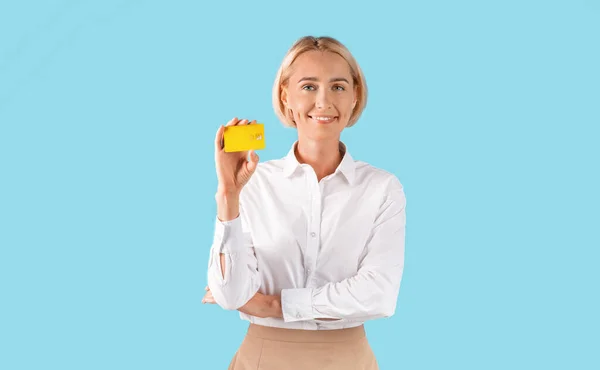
[(323, 156)]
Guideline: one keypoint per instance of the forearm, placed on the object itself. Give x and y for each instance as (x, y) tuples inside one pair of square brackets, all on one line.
[(263, 305), (365, 296), (228, 208), (228, 205)]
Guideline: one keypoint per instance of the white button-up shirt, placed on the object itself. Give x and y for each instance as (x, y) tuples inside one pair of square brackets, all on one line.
[(331, 249)]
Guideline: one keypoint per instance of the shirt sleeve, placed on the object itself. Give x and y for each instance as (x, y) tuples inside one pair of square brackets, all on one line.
[(241, 280), (370, 294)]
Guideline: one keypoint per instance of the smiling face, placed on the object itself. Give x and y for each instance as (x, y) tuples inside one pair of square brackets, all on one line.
[(320, 94)]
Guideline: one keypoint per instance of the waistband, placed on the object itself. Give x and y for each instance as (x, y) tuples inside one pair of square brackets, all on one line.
[(306, 336)]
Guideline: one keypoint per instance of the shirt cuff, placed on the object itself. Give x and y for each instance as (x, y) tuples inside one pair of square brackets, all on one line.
[(296, 304), (228, 235)]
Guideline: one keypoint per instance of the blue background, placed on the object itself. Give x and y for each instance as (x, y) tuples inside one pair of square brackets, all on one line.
[(487, 112)]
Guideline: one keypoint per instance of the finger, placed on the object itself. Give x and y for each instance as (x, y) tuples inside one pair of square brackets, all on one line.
[(242, 122), (207, 297), (206, 288), (232, 122), (253, 163)]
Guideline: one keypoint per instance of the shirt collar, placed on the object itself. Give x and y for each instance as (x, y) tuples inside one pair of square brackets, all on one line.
[(347, 166)]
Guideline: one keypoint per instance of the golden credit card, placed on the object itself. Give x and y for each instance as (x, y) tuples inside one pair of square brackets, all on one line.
[(240, 138)]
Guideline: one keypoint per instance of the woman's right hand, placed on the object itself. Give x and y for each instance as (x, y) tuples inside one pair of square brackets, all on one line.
[(233, 169)]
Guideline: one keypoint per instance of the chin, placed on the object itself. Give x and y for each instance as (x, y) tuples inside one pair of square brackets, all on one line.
[(321, 132)]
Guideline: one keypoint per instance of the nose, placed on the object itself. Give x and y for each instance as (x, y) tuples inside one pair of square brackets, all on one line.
[(323, 100)]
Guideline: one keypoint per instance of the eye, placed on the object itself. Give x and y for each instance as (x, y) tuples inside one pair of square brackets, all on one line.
[(310, 87), (339, 88)]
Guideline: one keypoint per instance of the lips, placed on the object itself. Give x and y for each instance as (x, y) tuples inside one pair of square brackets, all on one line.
[(323, 119)]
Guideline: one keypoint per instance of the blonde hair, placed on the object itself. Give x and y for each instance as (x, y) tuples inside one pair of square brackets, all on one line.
[(323, 43)]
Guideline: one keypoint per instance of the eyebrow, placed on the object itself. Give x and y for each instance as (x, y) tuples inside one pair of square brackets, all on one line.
[(335, 79)]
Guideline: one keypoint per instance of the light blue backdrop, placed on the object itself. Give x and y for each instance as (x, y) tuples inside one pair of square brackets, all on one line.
[(488, 113)]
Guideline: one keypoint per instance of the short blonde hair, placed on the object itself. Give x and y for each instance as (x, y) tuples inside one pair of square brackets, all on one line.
[(323, 43)]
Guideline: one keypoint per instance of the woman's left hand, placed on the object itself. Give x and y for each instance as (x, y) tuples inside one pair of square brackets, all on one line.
[(208, 297)]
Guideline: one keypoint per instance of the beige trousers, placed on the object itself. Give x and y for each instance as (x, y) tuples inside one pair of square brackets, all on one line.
[(269, 348)]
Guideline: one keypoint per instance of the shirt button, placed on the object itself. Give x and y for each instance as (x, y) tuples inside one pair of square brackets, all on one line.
[(298, 315), (308, 272), (313, 234)]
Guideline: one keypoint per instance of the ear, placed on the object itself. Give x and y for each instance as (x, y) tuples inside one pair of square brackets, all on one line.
[(284, 95)]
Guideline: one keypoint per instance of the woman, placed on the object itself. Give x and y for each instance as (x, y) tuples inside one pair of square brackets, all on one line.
[(310, 246)]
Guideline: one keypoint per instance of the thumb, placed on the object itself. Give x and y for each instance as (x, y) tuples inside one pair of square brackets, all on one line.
[(253, 163)]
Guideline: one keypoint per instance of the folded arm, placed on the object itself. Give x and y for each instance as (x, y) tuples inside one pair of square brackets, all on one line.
[(233, 275), (371, 293)]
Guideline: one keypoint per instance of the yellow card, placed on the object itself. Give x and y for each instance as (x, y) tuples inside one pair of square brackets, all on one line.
[(244, 137)]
